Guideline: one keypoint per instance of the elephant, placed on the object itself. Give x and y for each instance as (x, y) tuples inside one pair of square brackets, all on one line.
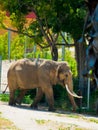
[(25, 74)]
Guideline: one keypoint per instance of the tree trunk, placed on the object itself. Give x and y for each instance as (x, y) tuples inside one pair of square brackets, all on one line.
[(80, 51), (54, 52), (80, 57)]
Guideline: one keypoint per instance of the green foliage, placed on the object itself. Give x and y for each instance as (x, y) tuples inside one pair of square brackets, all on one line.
[(41, 122), (69, 57), (3, 46), (39, 53), (52, 18), (27, 99), (20, 47), (64, 15), (60, 96), (17, 47), (4, 97)]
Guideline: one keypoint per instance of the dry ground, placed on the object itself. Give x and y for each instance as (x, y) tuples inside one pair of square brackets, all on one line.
[(26, 119)]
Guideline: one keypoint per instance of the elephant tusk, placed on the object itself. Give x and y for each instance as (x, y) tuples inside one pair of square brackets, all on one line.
[(72, 94)]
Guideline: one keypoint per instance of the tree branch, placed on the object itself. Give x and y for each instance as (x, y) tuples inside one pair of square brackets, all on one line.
[(16, 31), (41, 27), (63, 37), (43, 46), (66, 45), (32, 36), (48, 31), (57, 44)]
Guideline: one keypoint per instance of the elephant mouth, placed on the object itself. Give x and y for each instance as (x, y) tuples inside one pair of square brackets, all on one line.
[(72, 93)]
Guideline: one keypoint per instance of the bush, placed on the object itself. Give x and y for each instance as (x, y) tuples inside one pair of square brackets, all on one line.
[(27, 99), (72, 62), (61, 97), (4, 97), (3, 46)]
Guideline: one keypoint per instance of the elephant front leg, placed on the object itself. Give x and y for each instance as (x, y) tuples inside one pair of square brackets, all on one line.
[(12, 98), (39, 95), (22, 93), (50, 98), (72, 102)]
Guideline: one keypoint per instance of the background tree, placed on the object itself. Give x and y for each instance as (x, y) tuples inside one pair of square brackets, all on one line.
[(52, 18)]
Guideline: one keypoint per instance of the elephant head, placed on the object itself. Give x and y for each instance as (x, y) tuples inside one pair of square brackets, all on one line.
[(64, 76)]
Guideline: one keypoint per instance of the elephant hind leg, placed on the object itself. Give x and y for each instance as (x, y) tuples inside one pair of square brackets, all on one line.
[(12, 98), (39, 95), (22, 93)]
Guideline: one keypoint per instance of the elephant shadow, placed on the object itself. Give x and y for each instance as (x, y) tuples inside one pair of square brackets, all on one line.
[(27, 107), (42, 108)]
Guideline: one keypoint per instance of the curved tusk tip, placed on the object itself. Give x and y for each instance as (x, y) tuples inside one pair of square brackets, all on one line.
[(80, 96)]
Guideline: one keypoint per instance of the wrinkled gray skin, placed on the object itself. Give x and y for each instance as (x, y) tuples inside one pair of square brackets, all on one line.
[(25, 74)]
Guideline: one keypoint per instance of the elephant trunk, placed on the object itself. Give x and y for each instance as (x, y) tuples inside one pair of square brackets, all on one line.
[(72, 93)]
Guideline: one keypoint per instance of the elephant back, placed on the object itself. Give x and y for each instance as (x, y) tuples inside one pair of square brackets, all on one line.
[(24, 74)]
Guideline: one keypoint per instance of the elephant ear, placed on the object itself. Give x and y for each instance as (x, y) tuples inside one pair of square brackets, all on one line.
[(60, 73), (53, 77)]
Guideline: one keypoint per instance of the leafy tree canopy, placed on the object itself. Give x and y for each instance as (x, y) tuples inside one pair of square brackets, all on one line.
[(59, 15), (52, 18)]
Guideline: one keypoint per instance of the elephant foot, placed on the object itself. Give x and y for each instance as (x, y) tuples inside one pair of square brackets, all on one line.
[(18, 102), (34, 107), (74, 109), (52, 109), (12, 103)]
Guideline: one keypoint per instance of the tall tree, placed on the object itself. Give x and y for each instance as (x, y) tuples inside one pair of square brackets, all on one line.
[(52, 18)]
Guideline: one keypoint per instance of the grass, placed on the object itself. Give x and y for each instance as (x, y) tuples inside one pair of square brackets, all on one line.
[(79, 117), (41, 122), (54, 125), (4, 97), (93, 120), (5, 124)]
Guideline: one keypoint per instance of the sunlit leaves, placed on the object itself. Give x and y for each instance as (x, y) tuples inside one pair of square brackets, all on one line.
[(81, 12), (2, 17), (18, 20), (56, 15)]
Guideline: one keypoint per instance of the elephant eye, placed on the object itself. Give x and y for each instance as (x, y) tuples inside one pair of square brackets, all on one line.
[(66, 75)]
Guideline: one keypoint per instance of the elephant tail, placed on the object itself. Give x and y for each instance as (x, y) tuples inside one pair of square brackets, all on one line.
[(5, 89)]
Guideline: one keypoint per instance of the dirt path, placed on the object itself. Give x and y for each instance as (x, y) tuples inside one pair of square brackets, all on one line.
[(26, 119)]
